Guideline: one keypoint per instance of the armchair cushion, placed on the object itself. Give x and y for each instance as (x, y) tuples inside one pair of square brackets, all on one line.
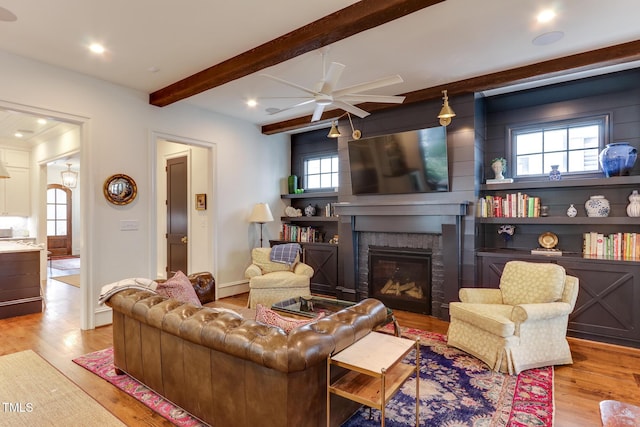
[(262, 258), (525, 282), (494, 318)]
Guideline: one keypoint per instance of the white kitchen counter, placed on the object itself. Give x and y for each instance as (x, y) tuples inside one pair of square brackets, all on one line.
[(18, 246)]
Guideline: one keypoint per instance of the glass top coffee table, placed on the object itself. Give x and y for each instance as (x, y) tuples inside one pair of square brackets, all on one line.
[(311, 306)]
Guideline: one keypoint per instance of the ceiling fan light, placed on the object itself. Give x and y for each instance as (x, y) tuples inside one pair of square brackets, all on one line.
[(334, 132)]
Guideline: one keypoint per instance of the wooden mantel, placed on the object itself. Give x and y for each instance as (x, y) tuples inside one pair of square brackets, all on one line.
[(433, 208)]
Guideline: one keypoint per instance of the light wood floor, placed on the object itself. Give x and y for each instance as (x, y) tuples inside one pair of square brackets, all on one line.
[(599, 371)]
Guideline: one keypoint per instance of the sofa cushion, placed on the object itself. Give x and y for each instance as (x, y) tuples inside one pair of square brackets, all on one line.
[(287, 324), (179, 287), (261, 258), (530, 283)]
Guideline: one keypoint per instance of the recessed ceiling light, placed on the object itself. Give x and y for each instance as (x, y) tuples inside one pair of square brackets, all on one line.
[(252, 103), (96, 48), (548, 38), (7, 15), (546, 16), (18, 135), (42, 122)]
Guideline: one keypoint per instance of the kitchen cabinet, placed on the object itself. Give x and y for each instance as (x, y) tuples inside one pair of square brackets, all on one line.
[(20, 291), (15, 192)]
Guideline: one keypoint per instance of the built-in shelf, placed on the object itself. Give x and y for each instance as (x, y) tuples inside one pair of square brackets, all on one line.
[(564, 183), (309, 218), (612, 220), (310, 195)]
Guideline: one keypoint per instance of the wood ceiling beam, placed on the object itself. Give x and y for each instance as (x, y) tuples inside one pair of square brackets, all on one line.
[(585, 61), (358, 17)]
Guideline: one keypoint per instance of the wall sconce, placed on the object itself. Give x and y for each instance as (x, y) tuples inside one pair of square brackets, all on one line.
[(4, 173), (69, 177), (335, 133), (446, 113)]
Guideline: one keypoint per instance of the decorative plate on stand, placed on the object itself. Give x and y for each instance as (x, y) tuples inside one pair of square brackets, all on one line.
[(548, 240)]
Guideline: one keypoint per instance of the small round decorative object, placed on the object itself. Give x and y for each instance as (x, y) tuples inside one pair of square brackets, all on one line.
[(310, 210), (572, 211), (555, 174), (597, 206), (617, 159), (548, 240), (633, 209), (120, 189)]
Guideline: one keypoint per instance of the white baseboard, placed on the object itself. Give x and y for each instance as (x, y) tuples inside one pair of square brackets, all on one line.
[(231, 289)]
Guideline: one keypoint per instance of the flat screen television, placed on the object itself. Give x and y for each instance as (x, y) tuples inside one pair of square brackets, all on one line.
[(400, 163)]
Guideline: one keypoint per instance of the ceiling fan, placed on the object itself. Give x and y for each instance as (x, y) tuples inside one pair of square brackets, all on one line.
[(325, 93)]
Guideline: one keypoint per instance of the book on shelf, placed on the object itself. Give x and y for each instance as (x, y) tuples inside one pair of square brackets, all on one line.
[(298, 233), (512, 205), (625, 246), (545, 251)]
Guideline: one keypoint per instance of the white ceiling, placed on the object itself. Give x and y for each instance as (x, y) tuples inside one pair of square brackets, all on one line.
[(447, 42)]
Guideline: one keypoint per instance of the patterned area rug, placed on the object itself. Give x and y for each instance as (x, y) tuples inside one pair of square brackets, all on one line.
[(456, 390)]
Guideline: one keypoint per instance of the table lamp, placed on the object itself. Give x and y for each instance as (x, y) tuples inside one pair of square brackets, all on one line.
[(261, 214)]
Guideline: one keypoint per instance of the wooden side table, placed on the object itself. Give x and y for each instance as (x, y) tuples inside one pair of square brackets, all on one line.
[(375, 371)]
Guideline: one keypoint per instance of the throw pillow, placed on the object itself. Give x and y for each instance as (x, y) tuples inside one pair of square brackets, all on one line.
[(270, 317), (179, 287)]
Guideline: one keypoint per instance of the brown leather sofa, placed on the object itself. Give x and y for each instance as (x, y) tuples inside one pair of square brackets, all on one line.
[(231, 371)]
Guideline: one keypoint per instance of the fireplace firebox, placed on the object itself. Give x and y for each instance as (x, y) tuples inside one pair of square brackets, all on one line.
[(401, 277)]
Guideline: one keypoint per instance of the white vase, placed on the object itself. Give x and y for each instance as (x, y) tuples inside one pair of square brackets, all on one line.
[(633, 209), (597, 206), (572, 211)]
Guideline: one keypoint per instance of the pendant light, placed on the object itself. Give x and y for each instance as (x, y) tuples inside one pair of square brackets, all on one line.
[(69, 177)]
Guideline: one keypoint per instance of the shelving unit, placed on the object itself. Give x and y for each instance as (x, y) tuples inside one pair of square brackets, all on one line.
[(321, 256), (607, 302)]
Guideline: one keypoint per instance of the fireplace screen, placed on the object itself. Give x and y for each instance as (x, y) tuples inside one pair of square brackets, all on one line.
[(401, 278)]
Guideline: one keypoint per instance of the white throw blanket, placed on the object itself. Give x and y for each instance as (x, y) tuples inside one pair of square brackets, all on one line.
[(132, 283)]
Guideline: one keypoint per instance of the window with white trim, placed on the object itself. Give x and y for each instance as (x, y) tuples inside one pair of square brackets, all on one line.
[(573, 145), (321, 173)]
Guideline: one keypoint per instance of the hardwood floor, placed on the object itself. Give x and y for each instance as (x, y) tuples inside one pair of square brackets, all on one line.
[(599, 371)]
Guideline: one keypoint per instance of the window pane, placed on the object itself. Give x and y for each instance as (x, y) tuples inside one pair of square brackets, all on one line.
[(51, 211), (334, 180), (61, 211), (325, 180), (313, 166), (530, 165), (527, 143), (51, 228), (61, 228), (325, 165), (61, 196), (313, 181), (555, 140), (51, 195), (583, 160), (583, 137), (334, 164)]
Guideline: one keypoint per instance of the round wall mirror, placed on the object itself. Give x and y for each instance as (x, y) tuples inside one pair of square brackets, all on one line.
[(120, 189)]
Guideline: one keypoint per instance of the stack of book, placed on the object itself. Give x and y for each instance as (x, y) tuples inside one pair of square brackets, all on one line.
[(613, 246), (514, 205)]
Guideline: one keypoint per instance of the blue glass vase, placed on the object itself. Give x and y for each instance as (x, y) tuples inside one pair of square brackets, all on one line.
[(617, 159)]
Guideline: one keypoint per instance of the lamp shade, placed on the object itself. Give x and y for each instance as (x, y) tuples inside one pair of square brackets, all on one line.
[(4, 173), (261, 213)]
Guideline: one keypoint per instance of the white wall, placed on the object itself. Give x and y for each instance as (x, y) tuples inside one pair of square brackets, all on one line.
[(117, 128)]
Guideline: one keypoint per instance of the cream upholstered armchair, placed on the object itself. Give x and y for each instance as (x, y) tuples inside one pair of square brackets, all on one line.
[(270, 282), (521, 325)]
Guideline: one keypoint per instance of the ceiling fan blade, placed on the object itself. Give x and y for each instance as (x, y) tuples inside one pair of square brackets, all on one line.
[(372, 98), (332, 77), (351, 109), (288, 83), (300, 104), (317, 113), (375, 84)]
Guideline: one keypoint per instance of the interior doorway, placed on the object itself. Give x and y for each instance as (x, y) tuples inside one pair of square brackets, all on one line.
[(59, 220), (177, 215)]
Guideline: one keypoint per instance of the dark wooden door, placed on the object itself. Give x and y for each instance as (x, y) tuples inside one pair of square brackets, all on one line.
[(59, 220), (177, 215)]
